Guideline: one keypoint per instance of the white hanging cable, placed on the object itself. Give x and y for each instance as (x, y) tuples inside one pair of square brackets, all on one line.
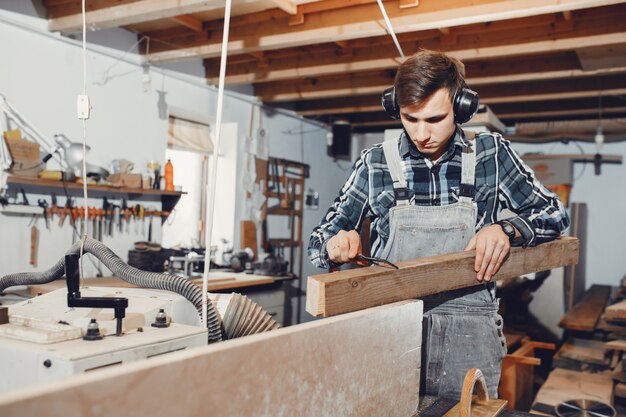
[(390, 28), (213, 177), (84, 120), (105, 75)]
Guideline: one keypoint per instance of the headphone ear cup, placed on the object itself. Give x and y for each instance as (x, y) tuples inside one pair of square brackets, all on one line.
[(466, 104), (389, 103)]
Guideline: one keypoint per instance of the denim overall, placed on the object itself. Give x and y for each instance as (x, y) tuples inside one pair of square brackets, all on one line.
[(461, 328)]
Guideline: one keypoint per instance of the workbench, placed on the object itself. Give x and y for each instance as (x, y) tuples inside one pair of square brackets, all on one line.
[(274, 294)]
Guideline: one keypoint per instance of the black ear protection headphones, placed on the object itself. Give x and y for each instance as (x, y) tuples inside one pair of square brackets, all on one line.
[(464, 105)]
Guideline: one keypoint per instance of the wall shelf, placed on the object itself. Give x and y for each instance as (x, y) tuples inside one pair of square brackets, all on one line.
[(168, 199)]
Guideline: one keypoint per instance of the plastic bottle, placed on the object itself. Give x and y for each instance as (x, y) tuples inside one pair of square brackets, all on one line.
[(169, 176)]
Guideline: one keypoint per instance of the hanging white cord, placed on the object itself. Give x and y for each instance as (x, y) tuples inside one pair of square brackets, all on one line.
[(213, 178), (84, 92), (389, 27)]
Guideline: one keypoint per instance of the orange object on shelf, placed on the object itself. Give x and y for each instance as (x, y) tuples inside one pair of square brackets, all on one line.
[(169, 176)]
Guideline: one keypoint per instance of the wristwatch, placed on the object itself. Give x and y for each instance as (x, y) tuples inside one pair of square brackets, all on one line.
[(508, 230)]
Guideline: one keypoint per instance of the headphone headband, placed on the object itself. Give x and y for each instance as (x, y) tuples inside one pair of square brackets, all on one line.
[(464, 104)]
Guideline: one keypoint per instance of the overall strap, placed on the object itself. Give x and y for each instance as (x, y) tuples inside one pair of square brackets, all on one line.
[(468, 167), (394, 162)]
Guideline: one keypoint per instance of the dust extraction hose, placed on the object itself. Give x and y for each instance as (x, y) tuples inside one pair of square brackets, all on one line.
[(129, 274)]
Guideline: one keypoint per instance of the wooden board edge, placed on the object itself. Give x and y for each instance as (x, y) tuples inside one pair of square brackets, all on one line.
[(567, 249), (314, 292)]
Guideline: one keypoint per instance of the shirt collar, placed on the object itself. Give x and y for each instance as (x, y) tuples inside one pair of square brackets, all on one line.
[(407, 147)]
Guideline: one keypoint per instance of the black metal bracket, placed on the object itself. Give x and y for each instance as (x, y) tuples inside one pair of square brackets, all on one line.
[(74, 299)]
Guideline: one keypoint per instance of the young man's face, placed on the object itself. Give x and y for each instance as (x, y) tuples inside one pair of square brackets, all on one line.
[(430, 124)]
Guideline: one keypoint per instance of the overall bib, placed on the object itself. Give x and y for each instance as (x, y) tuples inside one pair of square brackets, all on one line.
[(461, 328)]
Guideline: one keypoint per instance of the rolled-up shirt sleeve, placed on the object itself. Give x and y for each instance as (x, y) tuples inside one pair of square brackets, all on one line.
[(346, 213), (541, 216)]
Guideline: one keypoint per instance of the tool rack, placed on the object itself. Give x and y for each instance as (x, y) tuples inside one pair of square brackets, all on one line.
[(168, 199)]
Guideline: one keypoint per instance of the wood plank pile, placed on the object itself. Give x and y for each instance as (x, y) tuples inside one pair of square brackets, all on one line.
[(566, 385), (591, 364), (582, 355), (585, 315)]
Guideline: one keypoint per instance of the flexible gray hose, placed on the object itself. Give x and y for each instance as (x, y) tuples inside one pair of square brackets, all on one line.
[(129, 274)]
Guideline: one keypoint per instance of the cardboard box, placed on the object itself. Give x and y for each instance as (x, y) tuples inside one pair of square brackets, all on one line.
[(25, 155), (22, 150), (125, 180), (28, 169)]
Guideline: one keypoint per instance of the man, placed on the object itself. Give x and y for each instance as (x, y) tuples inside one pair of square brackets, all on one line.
[(433, 191)]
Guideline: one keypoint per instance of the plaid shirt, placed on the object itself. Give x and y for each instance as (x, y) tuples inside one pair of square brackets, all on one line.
[(502, 181)]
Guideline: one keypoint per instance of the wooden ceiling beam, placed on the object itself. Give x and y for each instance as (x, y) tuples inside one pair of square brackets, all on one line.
[(189, 22), (371, 59), (331, 26), (373, 104), (590, 24), (478, 72), (535, 81), (573, 104), (555, 104), (405, 4), (288, 6), (133, 13), (568, 113), (553, 96)]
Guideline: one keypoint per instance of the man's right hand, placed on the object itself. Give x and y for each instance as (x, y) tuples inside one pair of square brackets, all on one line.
[(344, 246)]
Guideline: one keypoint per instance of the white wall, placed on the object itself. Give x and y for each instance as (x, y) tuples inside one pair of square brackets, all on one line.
[(41, 76)]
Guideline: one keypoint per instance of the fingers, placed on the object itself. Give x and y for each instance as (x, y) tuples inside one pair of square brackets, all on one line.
[(486, 251), (500, 251), (355, 244), (492, 247), (344, 246), (479, 245), (503, 255)]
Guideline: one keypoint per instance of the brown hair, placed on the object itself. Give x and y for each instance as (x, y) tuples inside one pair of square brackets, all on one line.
[(422, 74)]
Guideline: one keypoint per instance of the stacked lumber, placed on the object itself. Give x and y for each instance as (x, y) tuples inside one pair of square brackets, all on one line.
[(566, 385), (619, 377), (586, 314), (587, 367), (582, 355)]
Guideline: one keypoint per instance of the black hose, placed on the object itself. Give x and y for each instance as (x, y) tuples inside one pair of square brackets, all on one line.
[(129, 274)]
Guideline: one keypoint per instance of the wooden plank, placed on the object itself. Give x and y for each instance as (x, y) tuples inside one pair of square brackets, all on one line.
[(189, 22), (356, 364), (555, 113), (616, 311), (583, 350), (332, 26), (355, 289), (517, 72), (133, 13), (517, 376), (619, 345), (585, 315), (217, 281), (564, 385), (373, 61), (288, 6), (248, 236)]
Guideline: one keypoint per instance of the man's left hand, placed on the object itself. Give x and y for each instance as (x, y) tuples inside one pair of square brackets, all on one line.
[(492, 247)]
